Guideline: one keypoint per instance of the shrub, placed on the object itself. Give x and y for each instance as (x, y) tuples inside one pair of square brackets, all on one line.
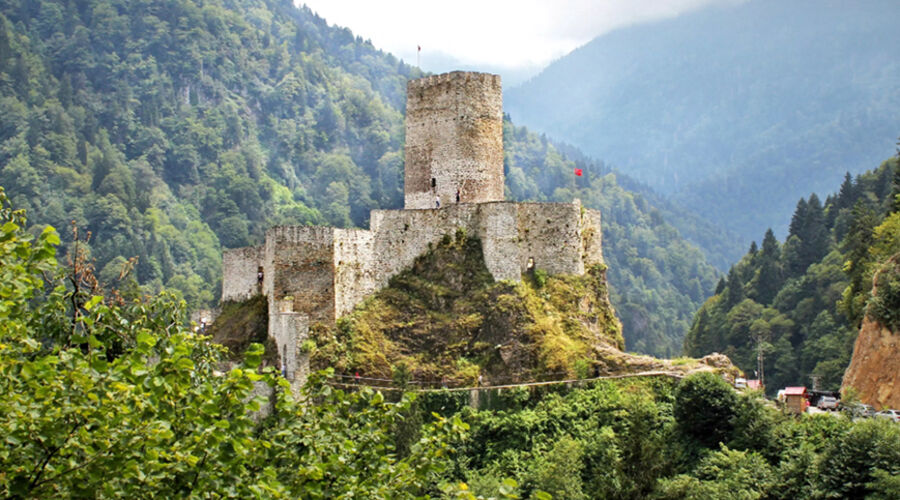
[(705, 408)]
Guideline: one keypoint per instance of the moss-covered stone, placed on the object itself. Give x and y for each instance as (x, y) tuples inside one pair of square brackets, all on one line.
[(446, 319), (242, 323)]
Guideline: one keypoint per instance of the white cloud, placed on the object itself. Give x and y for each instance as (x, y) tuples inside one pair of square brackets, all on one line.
[(512, 34)]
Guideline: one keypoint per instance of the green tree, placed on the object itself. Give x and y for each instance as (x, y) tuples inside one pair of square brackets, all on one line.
[(133, 403), (770, 277), (704, 408), (850, 459)]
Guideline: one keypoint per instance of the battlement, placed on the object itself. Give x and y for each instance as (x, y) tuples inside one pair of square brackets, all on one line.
[(486, 79), (299, 234)]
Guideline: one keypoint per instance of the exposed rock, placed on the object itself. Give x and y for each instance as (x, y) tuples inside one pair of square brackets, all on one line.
[(616, 362), (716, 360), (874, 369)]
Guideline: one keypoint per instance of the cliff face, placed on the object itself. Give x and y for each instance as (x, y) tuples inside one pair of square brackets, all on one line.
[(874, 370)]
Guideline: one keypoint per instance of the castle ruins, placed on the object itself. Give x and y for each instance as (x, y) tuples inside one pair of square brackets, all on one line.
[(453, 179)]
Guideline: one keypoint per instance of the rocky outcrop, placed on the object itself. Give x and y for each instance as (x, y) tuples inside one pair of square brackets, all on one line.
[(875, 366)]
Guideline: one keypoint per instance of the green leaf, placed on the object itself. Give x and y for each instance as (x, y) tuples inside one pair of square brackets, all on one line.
[(146, 340), (96, 299)]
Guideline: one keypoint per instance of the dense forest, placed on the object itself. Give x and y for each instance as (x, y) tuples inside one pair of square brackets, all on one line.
[(170, 130), (733, 105), (113, 398), (801, 302)]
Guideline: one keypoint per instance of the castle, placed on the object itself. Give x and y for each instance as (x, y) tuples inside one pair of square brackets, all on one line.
[(453, 179)]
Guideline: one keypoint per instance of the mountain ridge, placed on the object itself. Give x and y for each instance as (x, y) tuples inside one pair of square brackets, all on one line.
[(727, 101)]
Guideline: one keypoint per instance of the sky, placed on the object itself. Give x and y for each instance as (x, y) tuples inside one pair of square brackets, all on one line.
[(516, 38)]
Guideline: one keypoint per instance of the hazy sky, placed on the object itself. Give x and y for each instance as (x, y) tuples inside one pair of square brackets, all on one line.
[(510, 36)]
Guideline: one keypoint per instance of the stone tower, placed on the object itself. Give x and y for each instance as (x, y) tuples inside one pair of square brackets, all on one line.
[(454, 139)]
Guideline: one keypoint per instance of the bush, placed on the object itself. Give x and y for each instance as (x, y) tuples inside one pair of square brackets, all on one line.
[(849, 460), (705, 408), (884, 305), (725, 474)]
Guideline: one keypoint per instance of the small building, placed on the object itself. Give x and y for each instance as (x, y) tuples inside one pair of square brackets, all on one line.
[(796, 399), (755, 385)]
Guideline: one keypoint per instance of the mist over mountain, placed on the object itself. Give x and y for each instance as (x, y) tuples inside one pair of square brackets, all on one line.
[(736, 112)]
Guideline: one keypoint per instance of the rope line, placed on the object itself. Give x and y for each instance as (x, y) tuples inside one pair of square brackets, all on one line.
[(508, 386)]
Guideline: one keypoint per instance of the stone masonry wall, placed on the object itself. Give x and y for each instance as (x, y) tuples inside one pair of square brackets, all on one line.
[(354, 276), (289, 329), (302, 266), (550, 233), (454, 135), (239, 267), (591, 237), (510, 233), (403, 235)]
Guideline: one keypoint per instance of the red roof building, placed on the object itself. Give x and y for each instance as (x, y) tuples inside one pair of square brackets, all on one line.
[(796, 399)]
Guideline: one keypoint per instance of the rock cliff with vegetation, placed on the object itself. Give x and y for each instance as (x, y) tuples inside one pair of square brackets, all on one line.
[(446, 321), (802, 302), (445, 318), (874, 371)]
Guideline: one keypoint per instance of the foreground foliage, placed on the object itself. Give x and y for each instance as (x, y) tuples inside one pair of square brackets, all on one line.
[(154, 416), (633, 439)]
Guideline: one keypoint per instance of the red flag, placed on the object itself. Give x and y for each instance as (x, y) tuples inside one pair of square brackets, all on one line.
[(578, 172)]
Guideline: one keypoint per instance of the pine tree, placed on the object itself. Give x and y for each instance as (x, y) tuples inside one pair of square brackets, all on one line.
[(895, 188), (770, 276), (734, 289), (815, 236), (856, 250), (845, 197), (798, 219), (720, 287)]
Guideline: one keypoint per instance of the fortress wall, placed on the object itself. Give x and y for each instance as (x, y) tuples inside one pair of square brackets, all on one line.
[(591, 237), (289, 330), (354, 274), (402, 235), (454, 135), (550, 233), (510, 234), (302, 266), (239, 267), (499, 233)]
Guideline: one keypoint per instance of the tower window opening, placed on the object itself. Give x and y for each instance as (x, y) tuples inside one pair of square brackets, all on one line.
[(433, 183)]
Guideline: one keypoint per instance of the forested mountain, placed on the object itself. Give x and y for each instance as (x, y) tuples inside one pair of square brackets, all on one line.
[(750, 105), (171, 129), (802, 301)]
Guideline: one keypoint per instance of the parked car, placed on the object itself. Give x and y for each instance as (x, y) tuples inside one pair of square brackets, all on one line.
[(858, 410), (827, 403), (889, 414), (740, 383)]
